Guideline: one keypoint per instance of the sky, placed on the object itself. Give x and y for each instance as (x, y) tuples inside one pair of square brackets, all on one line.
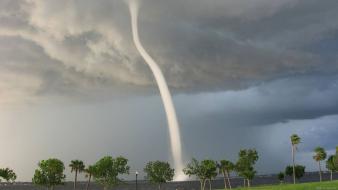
[(243, 74)]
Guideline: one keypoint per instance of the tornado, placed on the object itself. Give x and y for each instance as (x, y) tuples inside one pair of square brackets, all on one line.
[(174, 132)]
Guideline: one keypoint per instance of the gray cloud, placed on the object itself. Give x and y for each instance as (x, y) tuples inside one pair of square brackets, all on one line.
[(256, 71), (278, 101), (201, 46), (216, 125), (225, 51)]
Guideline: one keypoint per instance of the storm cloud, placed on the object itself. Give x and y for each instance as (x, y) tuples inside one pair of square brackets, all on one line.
[(201, 46), (255, 70)]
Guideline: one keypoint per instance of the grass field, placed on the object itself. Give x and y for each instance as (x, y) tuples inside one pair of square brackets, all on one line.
[(303, 186)]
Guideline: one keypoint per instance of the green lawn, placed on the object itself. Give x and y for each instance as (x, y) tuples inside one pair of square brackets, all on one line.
[(303, 186)]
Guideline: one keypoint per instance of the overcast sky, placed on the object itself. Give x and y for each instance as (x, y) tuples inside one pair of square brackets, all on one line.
[(244, 74)]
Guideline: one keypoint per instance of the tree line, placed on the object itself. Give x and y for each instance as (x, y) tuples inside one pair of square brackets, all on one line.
[(320, 155), (107, 171)]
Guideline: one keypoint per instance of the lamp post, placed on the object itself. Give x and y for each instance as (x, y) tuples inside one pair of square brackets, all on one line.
[(136, 174)]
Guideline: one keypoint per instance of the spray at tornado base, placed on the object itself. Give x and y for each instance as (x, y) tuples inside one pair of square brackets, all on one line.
[(165, 95)]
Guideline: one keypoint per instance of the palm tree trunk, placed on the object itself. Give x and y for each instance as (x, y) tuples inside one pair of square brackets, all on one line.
[(320, 172), (225, 182), (87, 186), (293, 164), (75, 179), (228, 177)]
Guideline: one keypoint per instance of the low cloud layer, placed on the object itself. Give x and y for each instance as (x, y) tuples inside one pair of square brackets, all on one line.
[(213, 125), (278, 101)]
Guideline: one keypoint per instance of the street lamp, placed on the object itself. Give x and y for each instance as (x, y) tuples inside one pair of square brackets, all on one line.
[(136, 174)]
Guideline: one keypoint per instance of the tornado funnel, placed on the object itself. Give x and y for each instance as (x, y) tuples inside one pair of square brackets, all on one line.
[(173, 126)]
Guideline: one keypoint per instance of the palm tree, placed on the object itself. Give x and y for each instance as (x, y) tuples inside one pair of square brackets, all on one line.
[(295, 140), (320, 155), (7, 174), (225, 167), (89, 173), (76, 166), (331, 165)]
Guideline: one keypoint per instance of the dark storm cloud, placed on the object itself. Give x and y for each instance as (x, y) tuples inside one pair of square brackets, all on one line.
[(262, 117), (252, 42), (201, 45), (296, 98)]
